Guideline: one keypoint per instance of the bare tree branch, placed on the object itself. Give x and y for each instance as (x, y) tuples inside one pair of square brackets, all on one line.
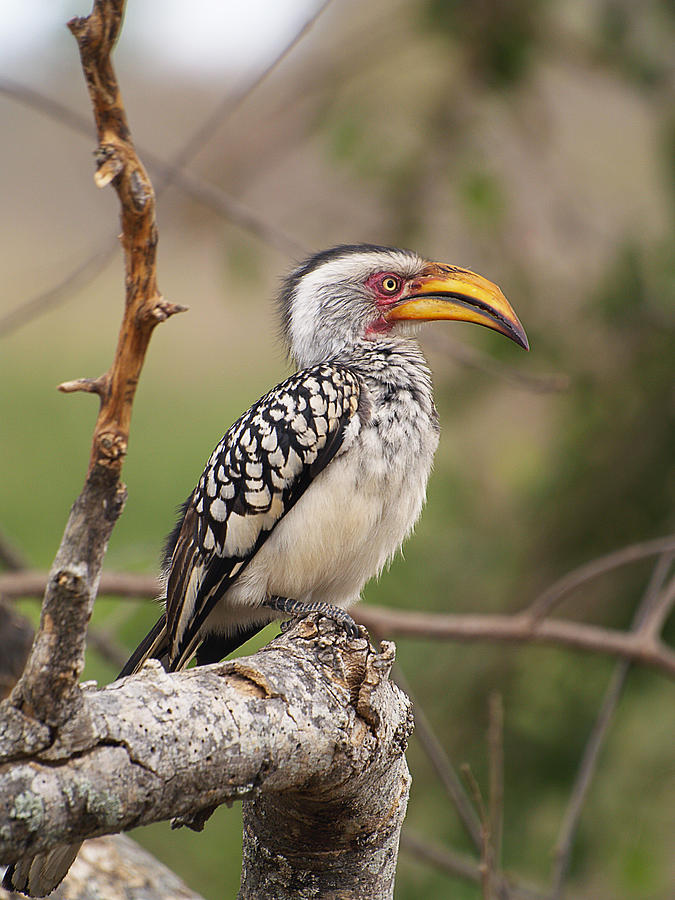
[(596, 739), (496, 757), (30, 583), (113, 867), (552, 596), (169, 173), (656, 616), (457, 864), (519, 629), (48, 690), (441, 763), (486, 867), (117, 868)]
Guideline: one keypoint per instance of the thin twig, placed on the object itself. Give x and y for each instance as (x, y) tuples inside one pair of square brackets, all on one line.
[(441, 764), (49, 687), (655, 617), (486, 867), (589, 760), (457, 864), (30, 583), (550, 598), (496, 755)]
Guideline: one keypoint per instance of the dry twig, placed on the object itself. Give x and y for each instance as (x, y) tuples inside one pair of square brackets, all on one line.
[(496, 756), (520, 628), (459, 865), (48, 689), (596, 739), (29, 583), (441, 763), (314, 749), (486, 868), (545, 603)]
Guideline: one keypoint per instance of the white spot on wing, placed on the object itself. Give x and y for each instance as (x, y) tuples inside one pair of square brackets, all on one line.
[(277, 458), (318, 404), (227, 491), (269, 442), (242, 533), (218, 510), (259, 499)]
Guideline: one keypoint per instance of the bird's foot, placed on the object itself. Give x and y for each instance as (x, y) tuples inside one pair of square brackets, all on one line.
[(298, 610)]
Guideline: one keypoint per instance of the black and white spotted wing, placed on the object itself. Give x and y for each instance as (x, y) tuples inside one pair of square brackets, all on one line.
[(255, 475)]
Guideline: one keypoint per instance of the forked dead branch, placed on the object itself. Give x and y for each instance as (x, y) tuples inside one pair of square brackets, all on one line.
[(48, 689)]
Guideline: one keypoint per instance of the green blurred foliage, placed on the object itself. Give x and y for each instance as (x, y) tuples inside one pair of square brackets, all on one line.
[(498, 36), (614, 461)]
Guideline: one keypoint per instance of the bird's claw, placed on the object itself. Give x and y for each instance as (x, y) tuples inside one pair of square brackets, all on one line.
[(299, 610)]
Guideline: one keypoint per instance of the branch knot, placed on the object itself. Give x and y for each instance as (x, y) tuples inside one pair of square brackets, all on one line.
[(109, 164)]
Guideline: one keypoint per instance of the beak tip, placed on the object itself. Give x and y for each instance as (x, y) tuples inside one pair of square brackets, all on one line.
[(517, 334)]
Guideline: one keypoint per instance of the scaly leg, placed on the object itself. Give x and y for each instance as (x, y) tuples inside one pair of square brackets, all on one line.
[(298, 610)]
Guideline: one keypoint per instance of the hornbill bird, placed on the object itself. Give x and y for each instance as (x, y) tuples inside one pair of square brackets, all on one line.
[(316, 486)]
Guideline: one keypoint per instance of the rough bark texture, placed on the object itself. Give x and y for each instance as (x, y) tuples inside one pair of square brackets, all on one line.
[(309, 730), (48, 689), (337, 835)]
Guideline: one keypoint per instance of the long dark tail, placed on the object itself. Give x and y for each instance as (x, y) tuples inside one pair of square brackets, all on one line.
[(155, 645)]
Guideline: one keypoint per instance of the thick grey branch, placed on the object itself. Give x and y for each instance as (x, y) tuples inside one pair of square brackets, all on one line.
[(310, 723)]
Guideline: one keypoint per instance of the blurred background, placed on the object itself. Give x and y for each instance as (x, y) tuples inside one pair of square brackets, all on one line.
[(531, 141)]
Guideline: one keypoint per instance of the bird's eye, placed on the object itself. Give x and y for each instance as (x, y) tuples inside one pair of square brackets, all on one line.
[(390, 284)]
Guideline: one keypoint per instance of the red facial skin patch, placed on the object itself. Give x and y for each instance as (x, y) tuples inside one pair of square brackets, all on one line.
[(384, 299)]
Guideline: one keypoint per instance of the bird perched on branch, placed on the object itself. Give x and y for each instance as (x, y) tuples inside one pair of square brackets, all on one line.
[(316, 486)]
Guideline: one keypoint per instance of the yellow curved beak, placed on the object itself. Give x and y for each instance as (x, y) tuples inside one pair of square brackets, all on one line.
[(447, 292)]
